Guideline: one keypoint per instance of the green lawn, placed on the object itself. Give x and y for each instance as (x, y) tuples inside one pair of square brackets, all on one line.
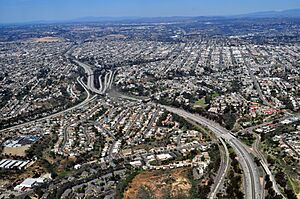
[(64, 173), (215, 94), (294, 184), (200, 102)]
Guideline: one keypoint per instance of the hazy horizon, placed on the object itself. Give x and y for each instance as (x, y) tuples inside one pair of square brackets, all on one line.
[(19, 11)]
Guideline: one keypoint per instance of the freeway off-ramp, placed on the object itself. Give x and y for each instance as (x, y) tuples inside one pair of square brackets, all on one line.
[(253, 188), (219, 180), (83, 103), (108, 78)]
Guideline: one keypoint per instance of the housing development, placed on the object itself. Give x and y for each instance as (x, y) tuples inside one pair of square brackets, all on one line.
[(177, 107)]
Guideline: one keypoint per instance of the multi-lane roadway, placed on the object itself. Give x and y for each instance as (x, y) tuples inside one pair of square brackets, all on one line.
[(88, 99), (252, 184), (253, 187), (219, 180), (103, 86)]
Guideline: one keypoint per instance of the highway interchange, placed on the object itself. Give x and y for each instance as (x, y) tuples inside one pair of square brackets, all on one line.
[(253, 187), (252, 184), (219, 180), (88, 99), (104, 86)]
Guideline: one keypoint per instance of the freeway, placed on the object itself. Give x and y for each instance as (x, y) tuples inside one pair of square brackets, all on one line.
[(90, 78), (252, 186), (105, 81), (83, 103), (100, 83), (264, 164), (219, 180), (108, 78), (111, 78), (90, 74), (220, 177), (256, 151)]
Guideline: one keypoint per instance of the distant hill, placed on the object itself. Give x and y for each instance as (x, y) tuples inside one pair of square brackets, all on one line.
[(102, 19), (294, 13), (129, 20)]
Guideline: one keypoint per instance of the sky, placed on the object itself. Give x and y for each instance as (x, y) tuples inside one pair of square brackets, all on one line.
[(12, 11)]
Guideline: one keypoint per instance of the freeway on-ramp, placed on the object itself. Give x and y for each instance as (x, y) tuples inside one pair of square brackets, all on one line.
[(253, 188)]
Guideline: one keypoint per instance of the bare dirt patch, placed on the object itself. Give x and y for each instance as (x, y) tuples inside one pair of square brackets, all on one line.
[(159, 184), (16, 151), (48, 39)]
